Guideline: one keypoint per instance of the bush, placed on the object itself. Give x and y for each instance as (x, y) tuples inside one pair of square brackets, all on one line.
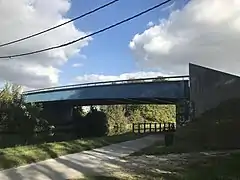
[(97, 123), (17, 117)]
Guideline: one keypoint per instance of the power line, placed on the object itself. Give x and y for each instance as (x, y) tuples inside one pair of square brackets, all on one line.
[(87, 36), (57, 26)]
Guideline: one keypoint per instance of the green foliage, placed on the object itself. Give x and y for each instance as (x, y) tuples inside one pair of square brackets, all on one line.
[(25, 120), (97, 123), (115, 115), (127, 114), (159, 78), (93, 124), (78, 110), (136, 116), (20, 155), (17, 117), (158, 113), (120, 115)]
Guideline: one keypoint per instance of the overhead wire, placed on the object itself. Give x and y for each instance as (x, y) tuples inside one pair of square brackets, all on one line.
[(57, 26), (89, 35)]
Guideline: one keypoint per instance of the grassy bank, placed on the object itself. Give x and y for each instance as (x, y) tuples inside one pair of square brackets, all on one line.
[(20, 155), (216, 133), (217, 130), (192, 165)]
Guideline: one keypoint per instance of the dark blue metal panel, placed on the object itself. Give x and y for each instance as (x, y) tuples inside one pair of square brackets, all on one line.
[(164, 89)]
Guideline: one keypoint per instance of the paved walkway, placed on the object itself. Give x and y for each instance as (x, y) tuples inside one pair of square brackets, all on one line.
[(96, 161)]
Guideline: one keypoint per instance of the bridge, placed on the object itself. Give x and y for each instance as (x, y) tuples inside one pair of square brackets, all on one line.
[(162, 90), (59, 101), (202, 90)]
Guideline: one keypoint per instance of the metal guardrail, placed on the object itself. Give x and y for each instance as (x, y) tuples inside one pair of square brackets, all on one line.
[(142, 80)]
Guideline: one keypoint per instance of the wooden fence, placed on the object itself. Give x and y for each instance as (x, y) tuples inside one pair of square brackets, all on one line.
[(153, 127)]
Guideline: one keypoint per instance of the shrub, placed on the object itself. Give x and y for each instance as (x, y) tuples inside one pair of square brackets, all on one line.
[(97, 123)]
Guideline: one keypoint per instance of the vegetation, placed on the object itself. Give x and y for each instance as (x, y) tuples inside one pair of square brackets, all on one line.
[(17, 117), (27, 135), (203, 149), (215, 133), (20, 155), (187, 166), (127, 114), (178, 167), (97, 178), (217, 129), (22, 124)]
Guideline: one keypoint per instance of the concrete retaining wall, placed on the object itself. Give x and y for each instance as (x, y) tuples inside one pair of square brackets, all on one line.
[(208, 88)]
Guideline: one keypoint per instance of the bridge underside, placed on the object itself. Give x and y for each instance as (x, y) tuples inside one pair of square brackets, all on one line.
[(114, 101), (61, 113), (164, 91), (59, 103)]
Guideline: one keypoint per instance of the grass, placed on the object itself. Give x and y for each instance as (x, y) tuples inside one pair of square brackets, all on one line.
[(20, 155), (219, 167), (216, 130), (196, 166), (223, 165), (102, 177), (97, 178)]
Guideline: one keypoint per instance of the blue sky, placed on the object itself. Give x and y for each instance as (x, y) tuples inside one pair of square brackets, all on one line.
[(108, 53), (167, 48)]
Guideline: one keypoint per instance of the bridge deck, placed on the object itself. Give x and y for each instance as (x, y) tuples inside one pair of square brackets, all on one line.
[(149, 90)]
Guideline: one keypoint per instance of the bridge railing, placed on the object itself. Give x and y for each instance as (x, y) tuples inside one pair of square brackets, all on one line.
[(153, 127), (141, 80)]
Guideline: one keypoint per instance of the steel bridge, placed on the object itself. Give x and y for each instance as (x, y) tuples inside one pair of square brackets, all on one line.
[(59, 101), (148, 90)]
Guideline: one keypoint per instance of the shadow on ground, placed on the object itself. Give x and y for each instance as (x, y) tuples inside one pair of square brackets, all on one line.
[(97, 178), (20, 155), (156, 163), (104, 162), (109, 163), (216, 130)]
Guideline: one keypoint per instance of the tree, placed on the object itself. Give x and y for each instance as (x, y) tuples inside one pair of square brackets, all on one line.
[(133, 80), (97, 123), (159, 113), (115, 115), (18, 117), (127, 114), (159, 78)]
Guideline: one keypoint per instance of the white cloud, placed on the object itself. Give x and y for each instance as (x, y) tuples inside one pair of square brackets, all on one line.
[(77, 65), (98, 77), (203, 32), (24, 17), (82, 56), (150, 23)]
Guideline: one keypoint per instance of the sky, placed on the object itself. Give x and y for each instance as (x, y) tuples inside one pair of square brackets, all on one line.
[(161, 42)]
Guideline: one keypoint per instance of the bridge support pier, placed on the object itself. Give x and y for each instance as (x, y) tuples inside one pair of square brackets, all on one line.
[(182, 112), (58, 112)]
